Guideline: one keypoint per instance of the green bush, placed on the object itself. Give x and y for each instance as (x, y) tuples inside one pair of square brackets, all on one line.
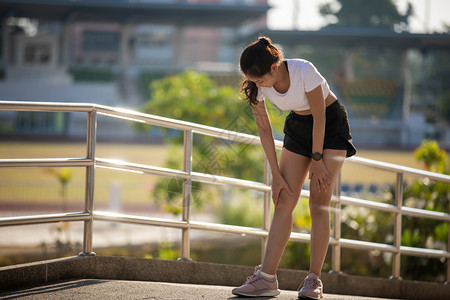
[(91, 74)]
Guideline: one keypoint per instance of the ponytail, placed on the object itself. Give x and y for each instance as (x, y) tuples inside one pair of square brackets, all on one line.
[(250, 91), (256, 60)]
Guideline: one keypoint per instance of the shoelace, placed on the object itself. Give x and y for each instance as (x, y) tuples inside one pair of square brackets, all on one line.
[(252, 278), (311, 283), (308, 282)]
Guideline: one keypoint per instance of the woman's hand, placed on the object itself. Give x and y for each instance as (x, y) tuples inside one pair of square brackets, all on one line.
[(278, 184), (319, 174)]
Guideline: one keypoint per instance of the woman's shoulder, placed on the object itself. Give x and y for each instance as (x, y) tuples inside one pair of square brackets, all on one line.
[(298, 64), (298, 61)]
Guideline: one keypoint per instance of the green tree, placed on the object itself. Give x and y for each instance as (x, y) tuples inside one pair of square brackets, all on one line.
[(194, 97), (419, 232), (376, 226), (432, 156), (361, 13)]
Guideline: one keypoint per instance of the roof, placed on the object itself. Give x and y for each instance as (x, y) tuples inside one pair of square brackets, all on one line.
[(179, 13), (355, 37)]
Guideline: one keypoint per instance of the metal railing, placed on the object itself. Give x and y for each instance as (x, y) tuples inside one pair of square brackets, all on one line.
[(188, 176)]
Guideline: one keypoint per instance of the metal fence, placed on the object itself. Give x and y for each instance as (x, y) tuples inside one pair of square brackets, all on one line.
[(188, 176)]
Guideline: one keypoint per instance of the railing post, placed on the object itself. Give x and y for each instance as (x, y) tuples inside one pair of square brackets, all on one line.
[(267, 200), (447, 282), (89, 186), (398, 227), (336, 248), (187, 194)]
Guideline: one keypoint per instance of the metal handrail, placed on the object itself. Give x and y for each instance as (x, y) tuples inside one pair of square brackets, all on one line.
[(397, 168), (187, 175)]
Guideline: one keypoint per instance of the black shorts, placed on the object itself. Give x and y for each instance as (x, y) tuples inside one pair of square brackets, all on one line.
[(298, 131)]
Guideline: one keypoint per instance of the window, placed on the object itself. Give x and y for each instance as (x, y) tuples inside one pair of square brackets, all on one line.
[(41, 122), (154, 43), (101, 41), (37, 54)]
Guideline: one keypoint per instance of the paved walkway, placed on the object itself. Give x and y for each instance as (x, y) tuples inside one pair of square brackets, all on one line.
[(88, 289)]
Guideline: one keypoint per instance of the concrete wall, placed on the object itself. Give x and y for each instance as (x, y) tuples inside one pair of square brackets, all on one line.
[(141, 269)]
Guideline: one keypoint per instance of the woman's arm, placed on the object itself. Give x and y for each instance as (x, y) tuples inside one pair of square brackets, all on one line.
[(266, 135), (318, 171), (317, 107), (268, 144)]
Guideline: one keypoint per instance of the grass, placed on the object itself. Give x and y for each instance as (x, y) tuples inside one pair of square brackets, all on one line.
[(135, 187), (355, 174)]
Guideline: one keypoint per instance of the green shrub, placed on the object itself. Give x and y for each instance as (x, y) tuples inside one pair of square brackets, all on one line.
[(91, 74)]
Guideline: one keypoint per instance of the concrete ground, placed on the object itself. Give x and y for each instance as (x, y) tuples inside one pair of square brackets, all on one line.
[(86, 289)]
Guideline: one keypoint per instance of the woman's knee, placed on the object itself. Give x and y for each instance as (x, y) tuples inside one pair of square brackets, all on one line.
[(287, 202), (319, 205)]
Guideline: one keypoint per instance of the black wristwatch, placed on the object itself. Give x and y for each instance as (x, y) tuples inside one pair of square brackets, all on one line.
[(317, 156)]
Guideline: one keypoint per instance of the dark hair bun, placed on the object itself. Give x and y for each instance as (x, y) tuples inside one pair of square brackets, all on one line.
[(264, 40)]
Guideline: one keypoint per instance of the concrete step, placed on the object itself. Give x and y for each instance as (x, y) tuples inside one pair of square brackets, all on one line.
[(113, 277)]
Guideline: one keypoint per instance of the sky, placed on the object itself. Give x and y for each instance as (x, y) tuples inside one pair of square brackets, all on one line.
[(429, 15)]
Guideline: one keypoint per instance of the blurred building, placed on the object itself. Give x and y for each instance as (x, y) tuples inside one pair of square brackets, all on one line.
[(382, 110), (106, 52)]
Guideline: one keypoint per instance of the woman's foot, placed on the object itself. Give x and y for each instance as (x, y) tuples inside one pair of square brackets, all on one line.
[(258, 286), (311, 288)]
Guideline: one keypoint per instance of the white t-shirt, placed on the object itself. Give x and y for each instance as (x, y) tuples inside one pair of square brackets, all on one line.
[(304, 77)]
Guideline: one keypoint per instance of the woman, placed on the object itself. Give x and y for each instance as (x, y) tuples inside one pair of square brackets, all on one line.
[(317, 139)]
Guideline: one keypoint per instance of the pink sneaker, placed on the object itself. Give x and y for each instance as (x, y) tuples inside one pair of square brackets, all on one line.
[(311, 288), (258, 286)]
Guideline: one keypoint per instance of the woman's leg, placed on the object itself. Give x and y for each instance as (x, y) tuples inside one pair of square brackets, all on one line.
[(319, 208), (293, 168)]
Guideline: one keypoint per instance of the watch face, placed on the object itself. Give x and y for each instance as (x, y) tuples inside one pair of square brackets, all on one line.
[(316, 156)]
